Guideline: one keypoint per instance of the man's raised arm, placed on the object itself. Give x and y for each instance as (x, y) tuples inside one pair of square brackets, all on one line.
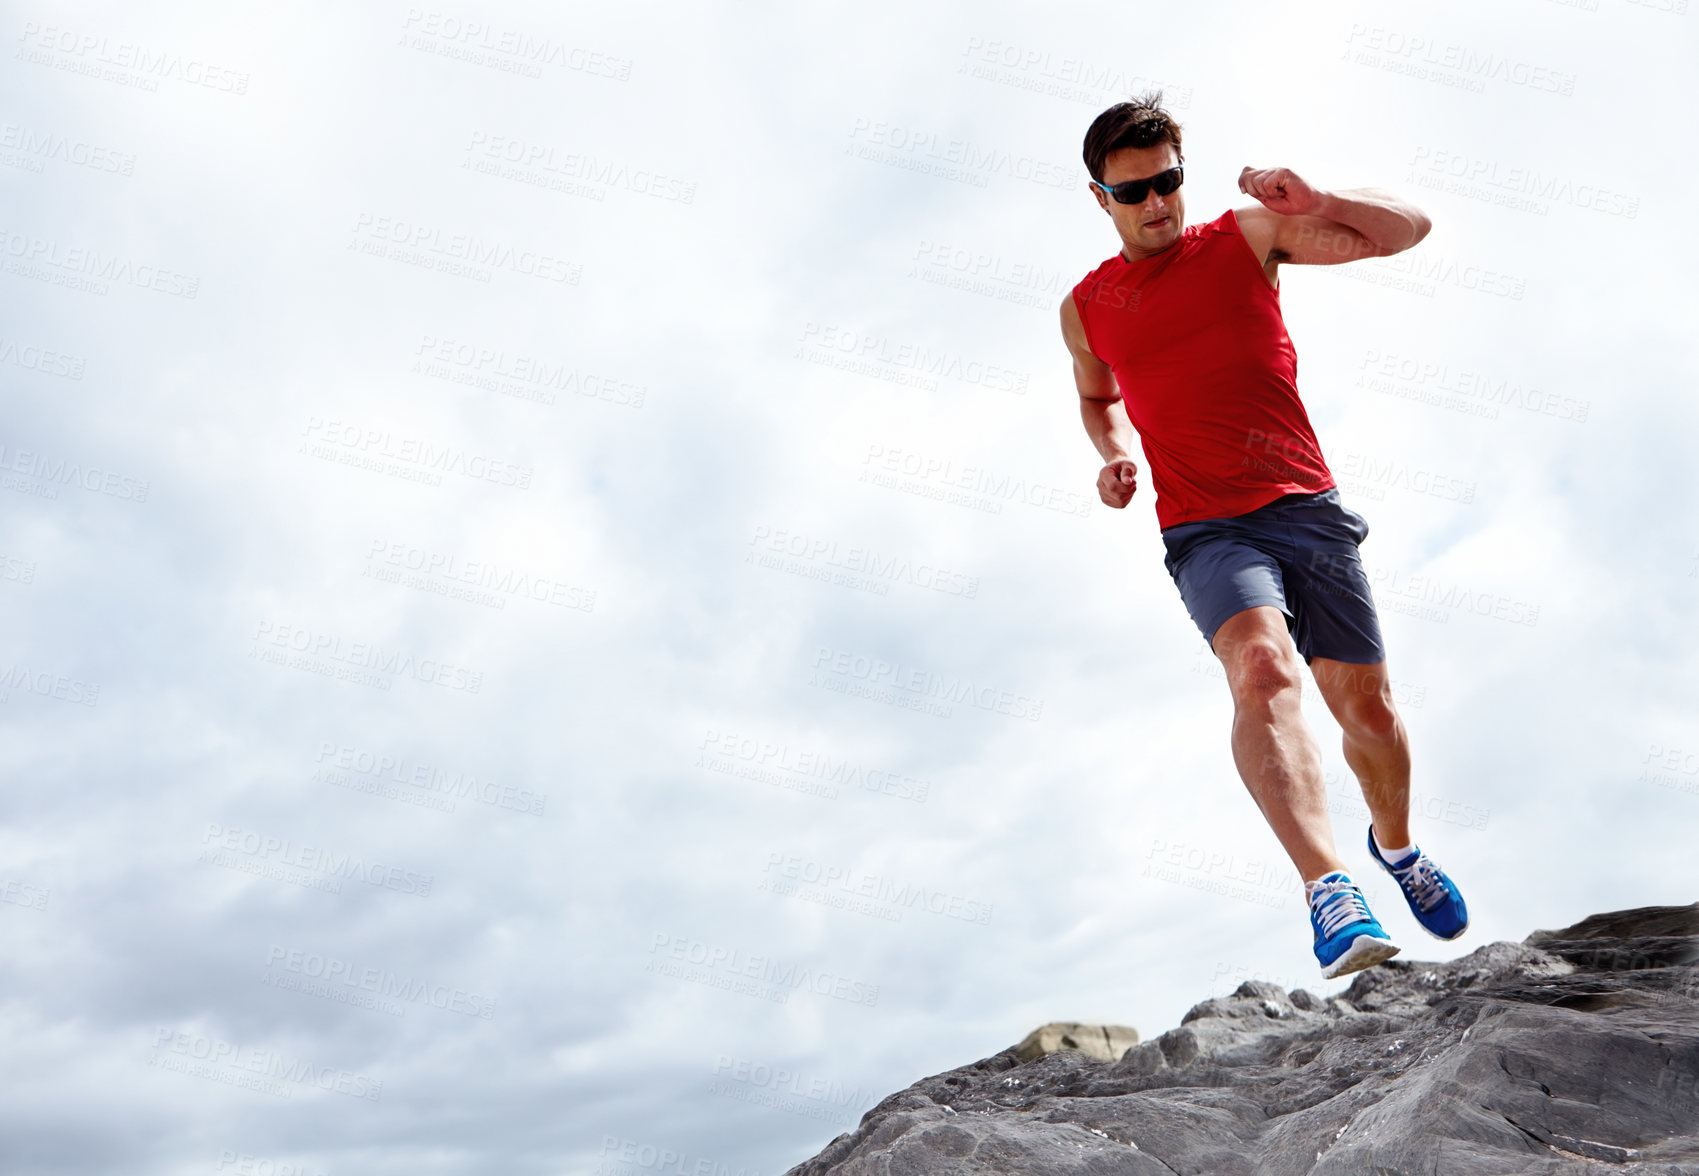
[(1303, 225), (1105, 417)]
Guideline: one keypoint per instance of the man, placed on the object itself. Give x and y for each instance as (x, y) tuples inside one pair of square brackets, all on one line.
[(1180, 337)]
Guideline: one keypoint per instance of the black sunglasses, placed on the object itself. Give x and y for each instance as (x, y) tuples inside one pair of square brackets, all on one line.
[(1134, 191)]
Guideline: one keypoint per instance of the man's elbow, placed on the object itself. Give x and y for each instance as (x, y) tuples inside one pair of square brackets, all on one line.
[(1420, 224)]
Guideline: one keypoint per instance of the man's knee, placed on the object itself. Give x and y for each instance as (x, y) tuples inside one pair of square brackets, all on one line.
[(1372, 717), (1362, 701), (1261, 666)]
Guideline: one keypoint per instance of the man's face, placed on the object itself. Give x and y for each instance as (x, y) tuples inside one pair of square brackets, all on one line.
[(1154, 225)]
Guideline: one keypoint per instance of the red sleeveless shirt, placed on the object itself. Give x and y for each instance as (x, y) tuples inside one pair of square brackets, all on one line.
[(1207, 372)]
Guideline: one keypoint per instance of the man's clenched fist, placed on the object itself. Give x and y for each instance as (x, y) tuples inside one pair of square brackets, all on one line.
[(1117, 481), (1281, 189)]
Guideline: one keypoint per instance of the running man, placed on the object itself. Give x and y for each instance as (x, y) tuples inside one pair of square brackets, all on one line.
[(1180, 336)]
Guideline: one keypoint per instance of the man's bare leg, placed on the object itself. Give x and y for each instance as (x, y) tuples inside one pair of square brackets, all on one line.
[(1276, 755), (1376, 745)]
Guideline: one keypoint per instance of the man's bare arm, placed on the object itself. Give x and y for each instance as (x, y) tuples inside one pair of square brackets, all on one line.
[(1102, 412), (1390, 222), (1303, 225)]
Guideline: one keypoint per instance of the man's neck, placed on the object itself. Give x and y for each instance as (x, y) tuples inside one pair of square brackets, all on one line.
[(1151, 254)]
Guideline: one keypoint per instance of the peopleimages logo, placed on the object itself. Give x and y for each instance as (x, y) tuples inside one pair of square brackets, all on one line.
[(629, 1157), (1397, 587), (87, 268), (17, 676), (24, 894), (869, 353), (863, 561), (1060, 76), (1428, 380), (432, 243), (282, 852), (522, 377), (925, 684), (37, 146), (322, 652), (450, 568), (1671, 767), (574, 172), (1476, 173), (767, 977), (918, 149), (376, 443), (1374, 475), (823, 1099), (413, 775), (44, 360), (380, 982), (1449, 63), (886, 896), (247, 1164), (54, 472), (211, 1057), (944, 479), (803, 769), (481, 43), (142, 66)]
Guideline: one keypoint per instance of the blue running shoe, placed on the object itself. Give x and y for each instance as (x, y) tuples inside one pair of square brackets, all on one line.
[(1348, 939), (1434, 898)]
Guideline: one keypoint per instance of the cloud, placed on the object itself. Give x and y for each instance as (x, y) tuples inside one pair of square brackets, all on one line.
[(558, 614)]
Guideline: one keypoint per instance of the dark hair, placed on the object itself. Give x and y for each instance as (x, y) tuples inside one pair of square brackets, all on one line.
[(1139, 123)]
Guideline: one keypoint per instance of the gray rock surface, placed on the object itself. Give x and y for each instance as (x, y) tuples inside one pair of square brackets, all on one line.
[(1575, 1051)]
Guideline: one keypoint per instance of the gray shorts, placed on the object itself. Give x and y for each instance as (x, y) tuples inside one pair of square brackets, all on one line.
[(1297, 553)]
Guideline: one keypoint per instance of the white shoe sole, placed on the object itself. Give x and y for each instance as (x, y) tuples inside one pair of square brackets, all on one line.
[(1445, 938), (1365, 952)]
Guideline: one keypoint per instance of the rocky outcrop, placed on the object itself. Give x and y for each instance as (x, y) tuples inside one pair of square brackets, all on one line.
[(1106, 1043), (1575, 1051)]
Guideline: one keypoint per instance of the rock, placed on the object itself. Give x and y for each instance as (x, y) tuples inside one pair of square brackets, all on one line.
[(1106, 1043), (1574, 1051)]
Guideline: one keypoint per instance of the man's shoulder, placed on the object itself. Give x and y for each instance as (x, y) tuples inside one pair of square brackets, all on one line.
[(1227, 222), (1103, 267), (1198, 233), (1081, 291)]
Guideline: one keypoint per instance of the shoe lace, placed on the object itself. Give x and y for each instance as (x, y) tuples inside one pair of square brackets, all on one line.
[(1421, 877), (1339, 904)]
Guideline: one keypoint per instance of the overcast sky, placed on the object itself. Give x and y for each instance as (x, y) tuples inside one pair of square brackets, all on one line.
[(556, 615)]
